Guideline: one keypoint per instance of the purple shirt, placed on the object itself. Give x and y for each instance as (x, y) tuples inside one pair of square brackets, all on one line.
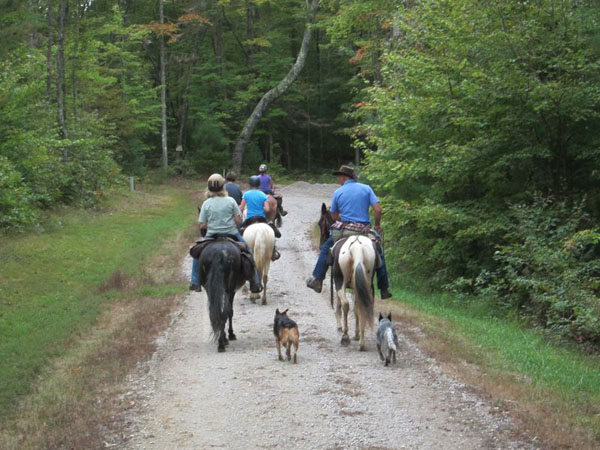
[(265, 182)]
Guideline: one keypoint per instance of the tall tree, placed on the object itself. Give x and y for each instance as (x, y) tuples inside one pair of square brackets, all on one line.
[(272, 95), (63, 9), (163, 89)]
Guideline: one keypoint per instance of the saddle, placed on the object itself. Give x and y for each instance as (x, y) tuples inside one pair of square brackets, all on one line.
[(259, 219), (342, 232), (246, 257)]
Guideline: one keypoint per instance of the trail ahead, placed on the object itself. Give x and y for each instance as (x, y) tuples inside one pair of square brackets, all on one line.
[(191, 397)]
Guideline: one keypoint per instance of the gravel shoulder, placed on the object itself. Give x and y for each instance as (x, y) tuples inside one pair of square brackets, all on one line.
[(189, 396)]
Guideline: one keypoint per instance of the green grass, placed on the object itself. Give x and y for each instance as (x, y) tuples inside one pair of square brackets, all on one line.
[(50, 284), (506, 346)]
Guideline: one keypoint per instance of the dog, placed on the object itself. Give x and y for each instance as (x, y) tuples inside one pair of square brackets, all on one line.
[(286, 334), (387, 339)]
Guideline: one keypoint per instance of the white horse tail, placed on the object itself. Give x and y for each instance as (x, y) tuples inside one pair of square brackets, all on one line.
[(363, 296), (389, 336), (260, 251)]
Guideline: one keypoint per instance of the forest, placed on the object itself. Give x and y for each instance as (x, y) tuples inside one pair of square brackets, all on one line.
[(476, 122)]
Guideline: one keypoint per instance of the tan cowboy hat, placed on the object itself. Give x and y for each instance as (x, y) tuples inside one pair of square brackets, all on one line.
[(346, 171)]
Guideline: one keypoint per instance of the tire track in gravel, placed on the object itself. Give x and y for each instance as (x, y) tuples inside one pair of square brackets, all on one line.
[(189, 396)]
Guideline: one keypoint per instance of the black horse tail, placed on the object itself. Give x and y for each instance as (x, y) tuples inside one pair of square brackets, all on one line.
[(219, 306), (363, 295)]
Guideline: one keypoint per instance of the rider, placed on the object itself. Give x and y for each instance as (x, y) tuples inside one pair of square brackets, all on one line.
[(266, 185), (233, 189), (257, 205), (350, 204), (220, 216)]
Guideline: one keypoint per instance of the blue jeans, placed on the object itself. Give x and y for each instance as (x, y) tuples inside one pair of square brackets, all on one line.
[(321, 266), (196, 264)]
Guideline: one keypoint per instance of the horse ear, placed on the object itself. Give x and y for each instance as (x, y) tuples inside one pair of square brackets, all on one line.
[(285, 312), (390, 316), (323, 208)]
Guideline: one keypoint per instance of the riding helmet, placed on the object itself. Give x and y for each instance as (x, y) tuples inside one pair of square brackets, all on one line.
[(254, 181), (262, 168), (215, 183)]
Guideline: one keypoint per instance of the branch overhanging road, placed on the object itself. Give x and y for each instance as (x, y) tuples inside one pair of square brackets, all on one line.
[(190, 396)]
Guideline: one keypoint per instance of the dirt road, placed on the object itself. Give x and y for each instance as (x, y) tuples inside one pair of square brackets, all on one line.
[(191, 397)]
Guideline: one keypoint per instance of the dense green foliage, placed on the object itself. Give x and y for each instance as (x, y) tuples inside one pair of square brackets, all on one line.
[(481, 127)]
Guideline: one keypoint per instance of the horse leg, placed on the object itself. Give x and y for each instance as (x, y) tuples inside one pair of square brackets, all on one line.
[(232, 336), (338, 314), (222, 341), (361, 344), (264, 292), (345, 309), (356, 330)]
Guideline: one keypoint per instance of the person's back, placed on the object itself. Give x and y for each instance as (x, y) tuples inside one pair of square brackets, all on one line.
[(218, 214), (233, 189), (255, 203)]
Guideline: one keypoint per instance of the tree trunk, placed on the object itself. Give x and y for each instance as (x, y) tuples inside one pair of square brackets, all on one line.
[(163, 91), (266, 101), (49, 50), (60, 72)]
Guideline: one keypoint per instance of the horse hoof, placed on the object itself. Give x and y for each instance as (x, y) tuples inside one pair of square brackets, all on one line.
[(221, 348), (339, 329), (264, 302), (232, 337), (362, 348), (345, 341), (356, 338)]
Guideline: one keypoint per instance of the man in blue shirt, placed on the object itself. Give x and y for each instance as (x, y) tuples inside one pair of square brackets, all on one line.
[(350, 204)]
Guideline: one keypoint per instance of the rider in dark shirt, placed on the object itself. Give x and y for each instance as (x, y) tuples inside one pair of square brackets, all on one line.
[(233, 189)]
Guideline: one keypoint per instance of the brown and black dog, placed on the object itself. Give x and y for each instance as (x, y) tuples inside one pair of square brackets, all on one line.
[(286, 334)]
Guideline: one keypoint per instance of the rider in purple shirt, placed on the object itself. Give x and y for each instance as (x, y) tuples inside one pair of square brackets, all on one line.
[(266, 185)]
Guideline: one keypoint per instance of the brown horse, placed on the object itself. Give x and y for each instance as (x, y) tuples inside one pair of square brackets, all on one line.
[(325, 223)]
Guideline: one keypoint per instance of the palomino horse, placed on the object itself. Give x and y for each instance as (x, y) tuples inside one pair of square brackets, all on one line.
[(353, 267), (221, 274), (260, 237)]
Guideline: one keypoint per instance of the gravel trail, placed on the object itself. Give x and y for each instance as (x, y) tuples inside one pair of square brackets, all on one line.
[(189, 396)]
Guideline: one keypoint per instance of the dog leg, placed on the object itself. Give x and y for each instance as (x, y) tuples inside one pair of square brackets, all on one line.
[(278, 345), (394, 356), (379, 351), (288, 350), (295, 351)]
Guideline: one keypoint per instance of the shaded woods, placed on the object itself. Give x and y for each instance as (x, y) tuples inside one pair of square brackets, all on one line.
[(478, 123)]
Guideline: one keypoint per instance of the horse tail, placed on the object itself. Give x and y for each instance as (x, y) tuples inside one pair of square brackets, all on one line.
[(363, 294), (219, 306), (260, 251)]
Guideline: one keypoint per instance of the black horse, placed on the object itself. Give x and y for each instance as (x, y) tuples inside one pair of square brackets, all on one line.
[(221, 274)]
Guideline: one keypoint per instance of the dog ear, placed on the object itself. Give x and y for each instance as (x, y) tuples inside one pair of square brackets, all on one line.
[(277, 313), (390, 316), (285, 312), (323, 208), (380, 317)]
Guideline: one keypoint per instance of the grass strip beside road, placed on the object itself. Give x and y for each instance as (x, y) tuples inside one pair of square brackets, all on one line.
[(554, 389), (54, 286)]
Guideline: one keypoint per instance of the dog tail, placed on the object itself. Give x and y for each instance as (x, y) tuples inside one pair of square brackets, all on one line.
[(363, 293), (389, 336)]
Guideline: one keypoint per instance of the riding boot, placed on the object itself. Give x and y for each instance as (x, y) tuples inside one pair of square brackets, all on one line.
[(277, 232), (275, 255), (281, 210)]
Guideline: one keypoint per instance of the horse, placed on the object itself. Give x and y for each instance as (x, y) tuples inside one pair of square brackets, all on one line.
[(273, 216), (325, 222), (260, 237), (353, 267), (221, 274)]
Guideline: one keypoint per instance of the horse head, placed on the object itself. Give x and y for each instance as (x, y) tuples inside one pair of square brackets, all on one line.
[(325, 222)]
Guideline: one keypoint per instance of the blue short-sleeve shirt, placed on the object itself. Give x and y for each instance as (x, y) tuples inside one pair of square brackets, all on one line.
[(352, 201), (255, 203)]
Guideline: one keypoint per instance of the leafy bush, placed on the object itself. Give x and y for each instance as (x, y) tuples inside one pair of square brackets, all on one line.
[(16, 200), (550, 269)]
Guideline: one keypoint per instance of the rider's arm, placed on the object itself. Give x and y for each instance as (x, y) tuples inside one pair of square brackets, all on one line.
[(238, 220), (266, 207), (243, 204), (377, 209), (271, 183), (201, 226)]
